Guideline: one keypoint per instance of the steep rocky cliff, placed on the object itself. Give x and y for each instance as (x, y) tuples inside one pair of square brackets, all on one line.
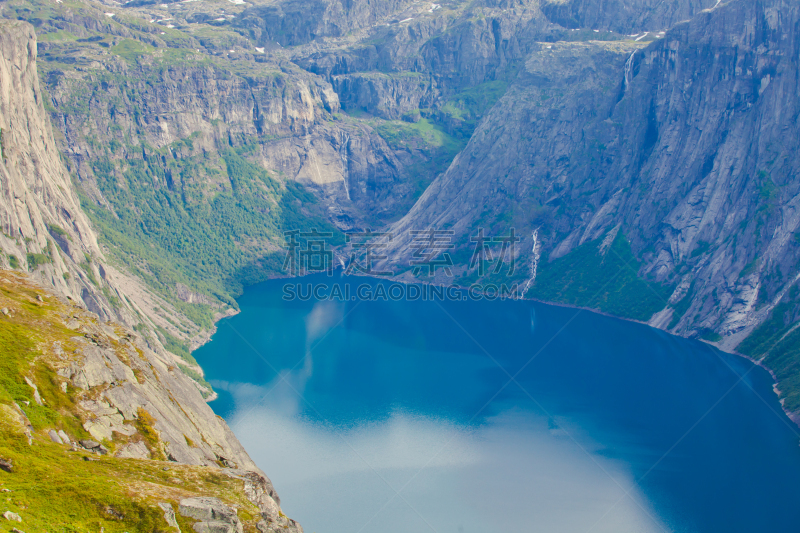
[(75, 380), (44, 228)]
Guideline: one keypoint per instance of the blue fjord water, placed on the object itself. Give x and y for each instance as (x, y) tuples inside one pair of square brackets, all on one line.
[(392, 417)]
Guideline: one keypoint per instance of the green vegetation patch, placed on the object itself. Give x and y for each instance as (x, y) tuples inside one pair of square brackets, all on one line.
[(608, 283), (777, 344), (131, 49), (463, 110), (37, 260), (189, 234), (431, 139)]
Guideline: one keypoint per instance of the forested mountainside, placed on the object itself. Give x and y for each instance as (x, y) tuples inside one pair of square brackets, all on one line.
[(642, 149)]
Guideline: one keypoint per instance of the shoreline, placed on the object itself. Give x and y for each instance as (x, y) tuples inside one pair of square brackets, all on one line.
[(794, 417)]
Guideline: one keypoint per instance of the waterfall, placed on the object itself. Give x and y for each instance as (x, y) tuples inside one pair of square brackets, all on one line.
[(534, 262), (343, 142), (628, 71)]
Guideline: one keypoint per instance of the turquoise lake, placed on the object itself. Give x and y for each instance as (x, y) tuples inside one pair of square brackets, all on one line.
[(503, 416)]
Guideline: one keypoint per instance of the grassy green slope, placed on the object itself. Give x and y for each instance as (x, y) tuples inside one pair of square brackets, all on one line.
[(57, 490)]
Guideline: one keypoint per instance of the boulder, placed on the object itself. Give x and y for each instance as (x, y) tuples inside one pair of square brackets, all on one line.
[(89, 444), (207, 509), (169, 515), (7, 465), (134, 450), (55, 437), (8, 515), (216, 527), (213, 515)]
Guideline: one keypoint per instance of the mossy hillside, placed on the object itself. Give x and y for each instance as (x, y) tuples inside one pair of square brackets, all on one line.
[(29, 326), (56, 490), (607, 282), (169, 226), (52, 488)]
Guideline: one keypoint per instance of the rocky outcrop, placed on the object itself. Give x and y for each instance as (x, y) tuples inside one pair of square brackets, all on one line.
[(387, 96), (44, 229), (211, 514), (134, 403), (126, 384)]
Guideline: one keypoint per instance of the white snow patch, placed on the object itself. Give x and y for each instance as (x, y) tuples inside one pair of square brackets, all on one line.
[(406, 20), (109, 14), (643, 36), (259, 50)]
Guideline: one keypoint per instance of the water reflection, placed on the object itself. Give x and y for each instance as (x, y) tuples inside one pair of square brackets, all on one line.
[(415, 473)]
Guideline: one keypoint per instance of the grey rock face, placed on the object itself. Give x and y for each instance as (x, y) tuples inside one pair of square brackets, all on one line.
[(38, 200), (215, 526), (55, 437), (135, 450), (207, 509), (684, 143), (213, 515), (169, 515)]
